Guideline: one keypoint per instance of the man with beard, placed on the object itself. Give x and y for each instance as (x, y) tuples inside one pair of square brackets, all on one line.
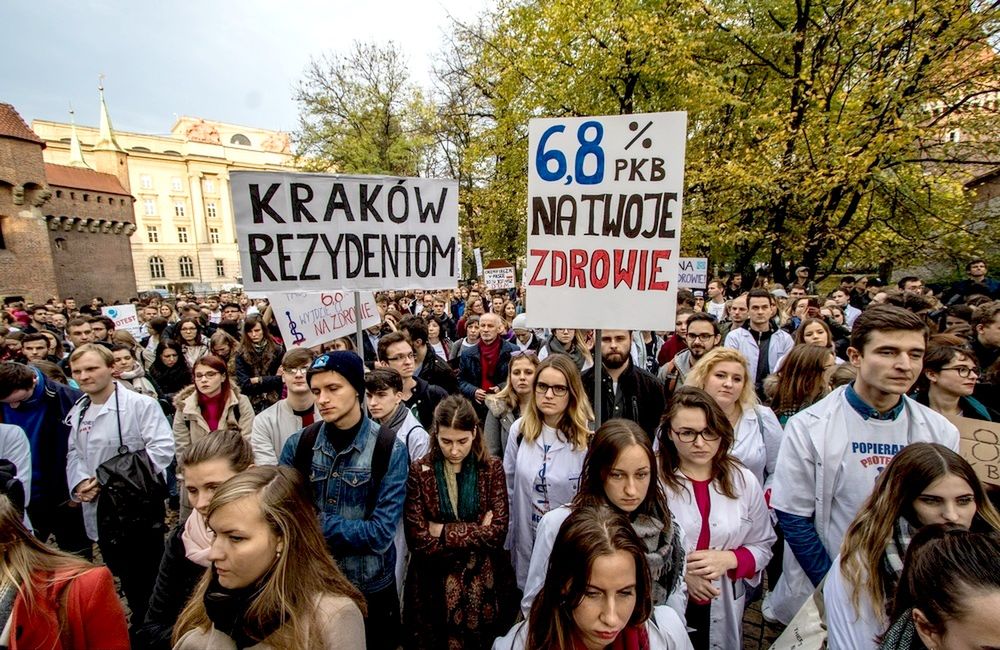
[(627, 391), (702, 335)]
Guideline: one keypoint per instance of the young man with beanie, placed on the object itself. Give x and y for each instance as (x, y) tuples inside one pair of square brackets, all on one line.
[(358, 483)]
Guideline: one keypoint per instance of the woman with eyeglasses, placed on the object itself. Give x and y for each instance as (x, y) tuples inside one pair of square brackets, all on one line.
[(187, 332), (949, 378), (720, 505), (544, 456), (213, 404), (723, 373), (507, 405)]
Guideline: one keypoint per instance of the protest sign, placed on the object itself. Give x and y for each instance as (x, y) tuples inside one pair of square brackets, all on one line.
[(980, 445), (604, 220), (125, 318), (499, 275), (309, 318), (478, 254), (692, 272), (317, 232)]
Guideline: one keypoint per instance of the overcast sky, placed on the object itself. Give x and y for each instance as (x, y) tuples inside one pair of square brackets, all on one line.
[(234, 61)]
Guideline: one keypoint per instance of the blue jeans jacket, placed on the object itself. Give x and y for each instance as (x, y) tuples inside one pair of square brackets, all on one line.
[(340, 483)]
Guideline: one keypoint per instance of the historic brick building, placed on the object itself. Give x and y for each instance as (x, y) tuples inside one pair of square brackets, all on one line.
[(64, 229)]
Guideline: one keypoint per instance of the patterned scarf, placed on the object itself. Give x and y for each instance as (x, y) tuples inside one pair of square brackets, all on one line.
[(664, 554), (465, 486), (895, 549), (902, 635)]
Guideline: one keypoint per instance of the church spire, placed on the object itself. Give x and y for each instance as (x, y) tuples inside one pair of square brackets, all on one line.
[(107, 137), (75, 152)]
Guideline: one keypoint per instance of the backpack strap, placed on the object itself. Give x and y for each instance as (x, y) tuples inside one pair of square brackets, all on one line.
[(380, 464), (304, 450)]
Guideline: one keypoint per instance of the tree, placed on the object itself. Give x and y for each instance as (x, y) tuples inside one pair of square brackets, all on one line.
[(360, 113)]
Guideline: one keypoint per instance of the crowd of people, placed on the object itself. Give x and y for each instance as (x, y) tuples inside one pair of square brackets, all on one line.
[(443, 480)]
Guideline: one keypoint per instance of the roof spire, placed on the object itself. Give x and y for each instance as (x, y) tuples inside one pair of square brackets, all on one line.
[(107, 137), (75, 153)]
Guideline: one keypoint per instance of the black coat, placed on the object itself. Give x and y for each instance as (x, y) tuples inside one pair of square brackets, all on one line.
[(175, 583), (437, 371), (424, 400), (642, 396)]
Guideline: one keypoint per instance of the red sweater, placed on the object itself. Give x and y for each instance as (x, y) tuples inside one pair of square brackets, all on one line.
[(94, 616)]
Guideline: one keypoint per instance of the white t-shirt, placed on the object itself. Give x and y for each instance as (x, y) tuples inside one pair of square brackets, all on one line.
[(873, 443), (717, 309), (439, 350)]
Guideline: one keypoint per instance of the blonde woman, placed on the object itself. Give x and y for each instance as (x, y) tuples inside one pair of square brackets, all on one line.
[(508, 405), (568, 341), (272, 583), (723, 373), (544, 456)]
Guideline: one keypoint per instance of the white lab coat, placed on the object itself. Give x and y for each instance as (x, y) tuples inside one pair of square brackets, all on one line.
[(14, 446), (742, 340), (545, 538), (743, 521), (666, 632), (847, 628), (757, 438), (142, 427), (524, 465), (815, 441)]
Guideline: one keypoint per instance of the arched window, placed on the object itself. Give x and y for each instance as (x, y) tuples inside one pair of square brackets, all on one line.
[(187, 267), (156, 268), (240, 139)]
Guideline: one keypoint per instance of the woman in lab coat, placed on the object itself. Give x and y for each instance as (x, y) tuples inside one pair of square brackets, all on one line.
[(924, 484), (544, 455), (723, 373), (620, 470), (721, 507), (597, 593)]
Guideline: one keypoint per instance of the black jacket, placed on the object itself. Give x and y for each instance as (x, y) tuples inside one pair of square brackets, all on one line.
[(424, 400), (643, 399), (437, 371), (175, 583)]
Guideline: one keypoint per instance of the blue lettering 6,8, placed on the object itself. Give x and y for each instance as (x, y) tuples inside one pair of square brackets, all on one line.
[(589, 135)]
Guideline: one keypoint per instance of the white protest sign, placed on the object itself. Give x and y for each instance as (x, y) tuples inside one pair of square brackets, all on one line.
[(499, 278), (692, 272), (314, 232), (125, 318), (309, 318), (604, 220), (478, 254)]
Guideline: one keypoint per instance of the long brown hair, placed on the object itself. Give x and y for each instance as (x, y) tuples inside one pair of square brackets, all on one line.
[(724, 465), (908, 474), (457, 413), (802, 378), (575, 419), (301, 574), (587, 534)]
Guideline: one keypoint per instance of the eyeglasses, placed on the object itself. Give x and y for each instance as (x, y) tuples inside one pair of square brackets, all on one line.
[(704, 338), (687, 435), (559, 390), (210, 374), (963, 371), (295, 372), (402, 357)]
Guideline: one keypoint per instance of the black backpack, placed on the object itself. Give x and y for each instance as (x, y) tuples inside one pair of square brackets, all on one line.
[(380, 459)]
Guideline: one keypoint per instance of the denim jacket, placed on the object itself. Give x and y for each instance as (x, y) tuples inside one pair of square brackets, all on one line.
[(340, 483)]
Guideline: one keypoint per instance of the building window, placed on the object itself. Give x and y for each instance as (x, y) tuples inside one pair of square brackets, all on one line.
[(152, 234), (210, 187), (146, 182), (58, 194), (60, 244), (210, 210), (213, 235), (178, 209), (86, 197), (156, 269), (150, 206), (240, 139), (175, 184), (954, 135), (220, 268), (182, 235), (3, 243), (186, 266)]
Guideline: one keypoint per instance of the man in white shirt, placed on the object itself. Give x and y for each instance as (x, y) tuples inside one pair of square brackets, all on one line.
[(716, 304), (273, 426), (763, 344), (833, 451)]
